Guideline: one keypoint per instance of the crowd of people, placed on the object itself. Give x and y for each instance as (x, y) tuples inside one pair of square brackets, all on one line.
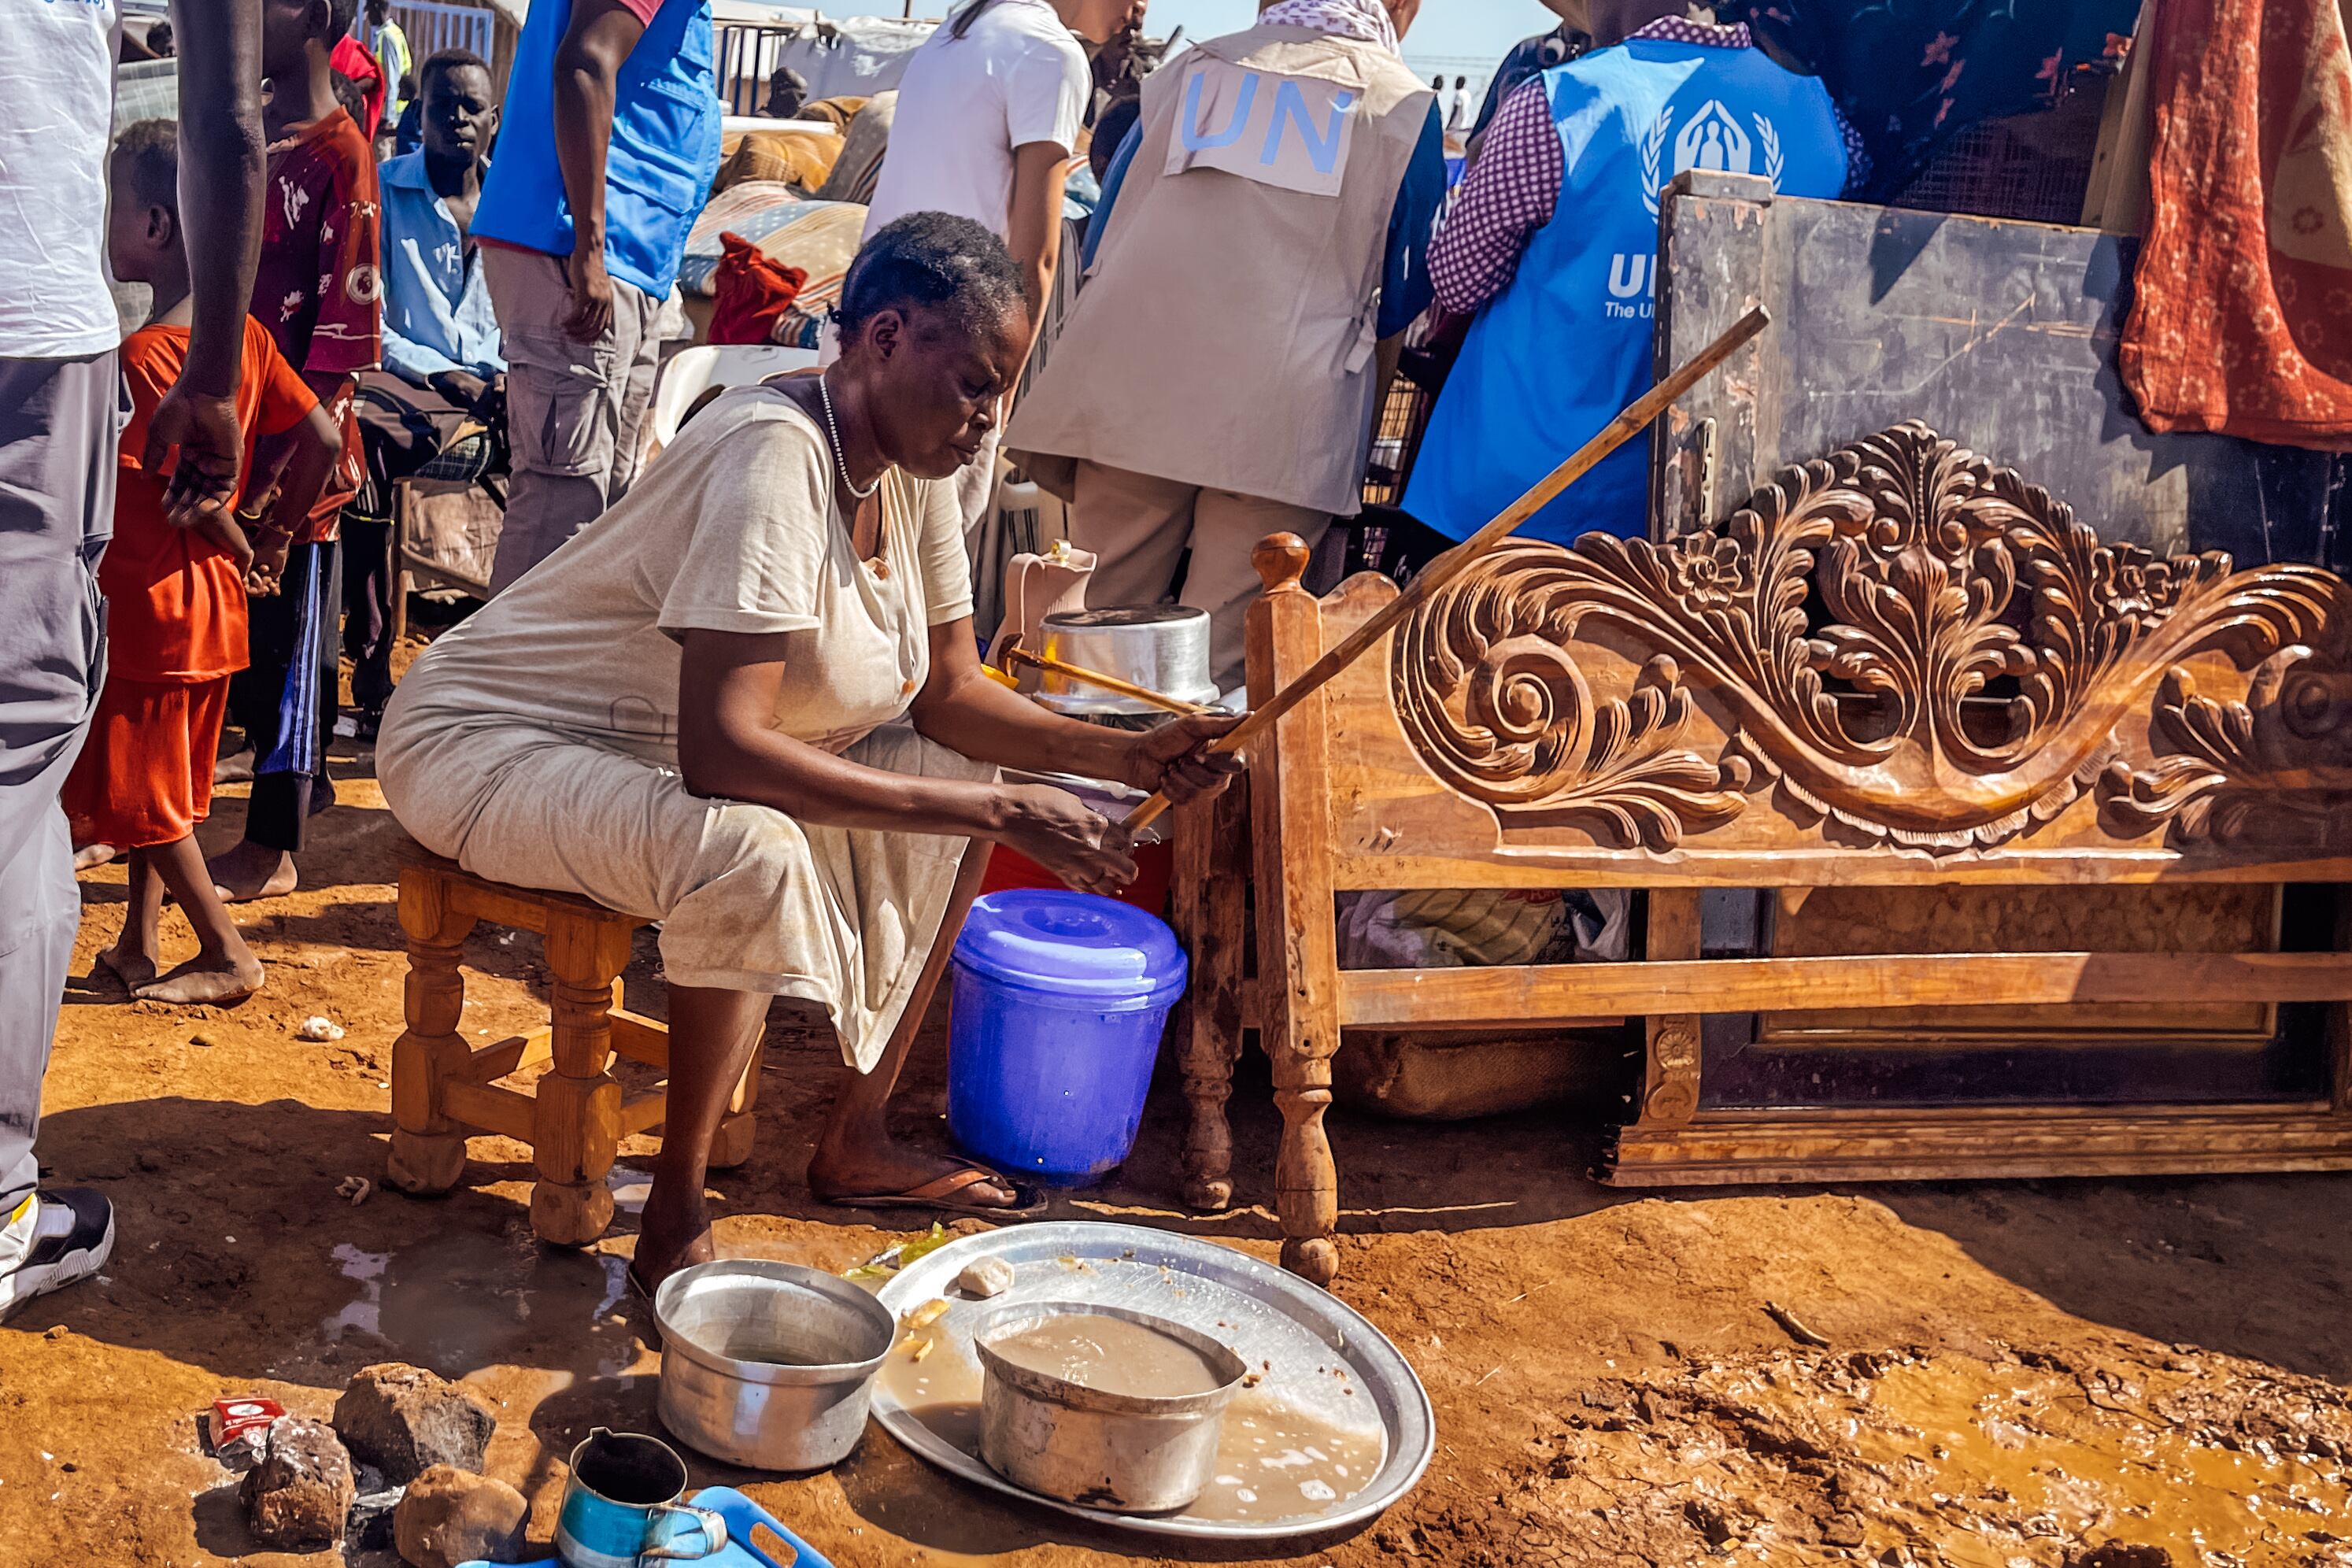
[(740, 694)]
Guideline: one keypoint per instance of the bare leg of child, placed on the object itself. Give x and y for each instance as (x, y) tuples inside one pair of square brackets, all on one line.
[(224, 970), (133, 956), (247, 870), (88, 855)]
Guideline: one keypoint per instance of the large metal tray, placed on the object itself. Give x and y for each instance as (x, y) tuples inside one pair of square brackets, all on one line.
[(1311, 1347)]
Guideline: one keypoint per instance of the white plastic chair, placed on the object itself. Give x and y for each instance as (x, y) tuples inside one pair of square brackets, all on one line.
[(691, 373)]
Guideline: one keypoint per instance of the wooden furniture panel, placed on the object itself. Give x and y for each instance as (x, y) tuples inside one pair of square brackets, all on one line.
[(1900, 667)]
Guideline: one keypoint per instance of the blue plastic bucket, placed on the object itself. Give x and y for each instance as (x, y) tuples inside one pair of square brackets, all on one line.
[(1060, 999)]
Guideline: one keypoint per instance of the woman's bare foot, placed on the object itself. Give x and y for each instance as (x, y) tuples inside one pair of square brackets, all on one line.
[(247, 871), (670, 1237), (204, 979), (133, 969), (91, 855), (888, 1168)]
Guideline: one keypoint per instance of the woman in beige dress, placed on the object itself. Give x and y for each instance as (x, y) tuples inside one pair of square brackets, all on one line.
[(748, 702)]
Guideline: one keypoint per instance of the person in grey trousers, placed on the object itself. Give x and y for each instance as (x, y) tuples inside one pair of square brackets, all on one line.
[(60, 414)]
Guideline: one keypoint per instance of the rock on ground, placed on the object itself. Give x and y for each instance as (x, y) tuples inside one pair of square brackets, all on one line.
[(404, 1420), (448, 1517), (296, 1498)]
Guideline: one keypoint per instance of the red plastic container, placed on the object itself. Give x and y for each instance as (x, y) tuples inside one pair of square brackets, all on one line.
[(1155, 866)]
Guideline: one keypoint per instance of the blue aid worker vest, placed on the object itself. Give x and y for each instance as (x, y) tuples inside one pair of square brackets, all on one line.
[(1566, 343), (664, 152)]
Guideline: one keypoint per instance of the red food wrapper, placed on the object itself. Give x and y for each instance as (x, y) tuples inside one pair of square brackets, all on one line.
[(239, 1428)]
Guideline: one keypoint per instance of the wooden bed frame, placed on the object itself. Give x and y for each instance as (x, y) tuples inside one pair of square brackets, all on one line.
[(1899, 666)]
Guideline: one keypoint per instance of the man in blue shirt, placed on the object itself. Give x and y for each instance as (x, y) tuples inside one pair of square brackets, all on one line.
[(442, 364), (609, 140)]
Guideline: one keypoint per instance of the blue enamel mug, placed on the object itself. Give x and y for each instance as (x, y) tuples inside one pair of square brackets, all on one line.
[(621, 1507)]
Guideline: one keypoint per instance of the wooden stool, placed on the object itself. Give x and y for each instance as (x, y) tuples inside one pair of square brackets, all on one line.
[(573, 1117)]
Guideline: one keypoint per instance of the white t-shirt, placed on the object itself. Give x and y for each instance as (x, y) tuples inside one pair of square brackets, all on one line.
[(57, 117), (735, 530), (966, 104)]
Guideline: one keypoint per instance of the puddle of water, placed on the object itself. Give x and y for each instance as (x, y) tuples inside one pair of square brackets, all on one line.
[(364, 1314), (462, 1300), (629, 1187)]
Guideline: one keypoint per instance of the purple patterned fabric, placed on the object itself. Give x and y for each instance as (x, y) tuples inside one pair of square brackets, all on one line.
[(1367, 20), (1511, 190), (1508, 196)]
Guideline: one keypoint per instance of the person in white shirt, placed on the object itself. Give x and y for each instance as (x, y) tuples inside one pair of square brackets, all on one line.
[(989, 111), (60, 395)]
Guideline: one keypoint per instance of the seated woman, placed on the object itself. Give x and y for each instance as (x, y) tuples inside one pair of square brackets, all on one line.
[(747, 701)]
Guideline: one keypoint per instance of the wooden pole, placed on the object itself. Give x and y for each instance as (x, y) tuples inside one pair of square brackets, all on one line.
[(1016, 654), (1450, 566)]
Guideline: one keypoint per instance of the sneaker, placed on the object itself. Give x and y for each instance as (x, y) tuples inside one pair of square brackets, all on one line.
[(53, 1239)]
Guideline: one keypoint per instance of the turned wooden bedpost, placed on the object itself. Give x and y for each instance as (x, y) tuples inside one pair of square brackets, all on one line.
[(1211, 890), (1298, 955), (577, 1112), (428, 1150)]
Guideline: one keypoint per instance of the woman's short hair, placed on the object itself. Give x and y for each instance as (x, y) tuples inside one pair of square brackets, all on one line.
[(931, 261)]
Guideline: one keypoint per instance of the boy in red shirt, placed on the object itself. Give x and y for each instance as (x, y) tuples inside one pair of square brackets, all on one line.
[(175, 604), (317, 291)]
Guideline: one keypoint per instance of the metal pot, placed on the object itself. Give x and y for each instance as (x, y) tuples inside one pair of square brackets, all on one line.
[(1163, 647), (768, 1365), (1120, 1452)]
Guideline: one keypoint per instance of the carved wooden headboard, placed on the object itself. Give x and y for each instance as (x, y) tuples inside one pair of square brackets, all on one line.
[(1897, 648), (1899, 666)]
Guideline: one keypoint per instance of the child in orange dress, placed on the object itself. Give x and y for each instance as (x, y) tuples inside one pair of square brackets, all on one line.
[(175, 600)]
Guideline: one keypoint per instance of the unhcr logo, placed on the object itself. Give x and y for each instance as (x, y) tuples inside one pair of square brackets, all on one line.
[(1711, 139)]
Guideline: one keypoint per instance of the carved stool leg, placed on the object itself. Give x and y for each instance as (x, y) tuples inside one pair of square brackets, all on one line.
[(1212, 872), (576, 1112), (428, 1150)]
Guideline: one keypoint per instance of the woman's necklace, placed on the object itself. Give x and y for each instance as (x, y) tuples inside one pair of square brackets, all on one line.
[(840, 459)]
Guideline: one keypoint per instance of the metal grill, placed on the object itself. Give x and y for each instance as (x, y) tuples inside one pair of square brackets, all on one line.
[(2034, 168)]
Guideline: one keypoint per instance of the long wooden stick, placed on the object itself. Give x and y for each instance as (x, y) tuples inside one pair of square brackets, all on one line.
[(1450, 566), (1016, 654)]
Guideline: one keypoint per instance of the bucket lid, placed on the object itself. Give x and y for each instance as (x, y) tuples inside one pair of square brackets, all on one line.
[(1070, 945)]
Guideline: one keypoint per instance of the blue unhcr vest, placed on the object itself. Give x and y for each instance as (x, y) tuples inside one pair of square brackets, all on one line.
[(1566, 345), (664, 152)]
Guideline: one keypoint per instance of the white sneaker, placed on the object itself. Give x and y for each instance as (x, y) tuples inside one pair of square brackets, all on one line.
[(53, 1239)]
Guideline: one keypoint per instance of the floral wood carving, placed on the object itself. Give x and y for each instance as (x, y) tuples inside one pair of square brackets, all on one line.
[(2275, 769), (1908, 639)]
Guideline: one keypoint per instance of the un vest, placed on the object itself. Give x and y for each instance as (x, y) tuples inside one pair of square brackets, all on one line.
[(664, 152), (1225, 332), (1568, 343)]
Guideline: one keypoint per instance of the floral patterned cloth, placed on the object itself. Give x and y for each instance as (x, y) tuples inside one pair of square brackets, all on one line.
[(2242, 314), (1365, 19), (1913, 74)]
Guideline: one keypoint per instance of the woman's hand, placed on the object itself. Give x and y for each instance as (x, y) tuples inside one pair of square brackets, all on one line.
[(1088, 852), (1176, 760)]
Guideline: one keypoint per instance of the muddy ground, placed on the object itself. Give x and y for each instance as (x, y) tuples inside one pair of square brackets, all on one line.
[(2108, 1374)]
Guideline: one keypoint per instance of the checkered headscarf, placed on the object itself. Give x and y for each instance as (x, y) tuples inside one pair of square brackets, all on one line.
[(1365, 19)]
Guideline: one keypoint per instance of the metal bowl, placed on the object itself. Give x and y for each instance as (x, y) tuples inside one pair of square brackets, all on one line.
[(768, 1365), (1163, 647), (1121, 1452)]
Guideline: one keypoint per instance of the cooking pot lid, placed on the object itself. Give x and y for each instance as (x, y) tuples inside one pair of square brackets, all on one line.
[(1072, 944), (1133, 615)]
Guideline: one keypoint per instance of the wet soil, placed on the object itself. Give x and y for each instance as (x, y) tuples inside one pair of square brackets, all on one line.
[(2075, 1374)]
